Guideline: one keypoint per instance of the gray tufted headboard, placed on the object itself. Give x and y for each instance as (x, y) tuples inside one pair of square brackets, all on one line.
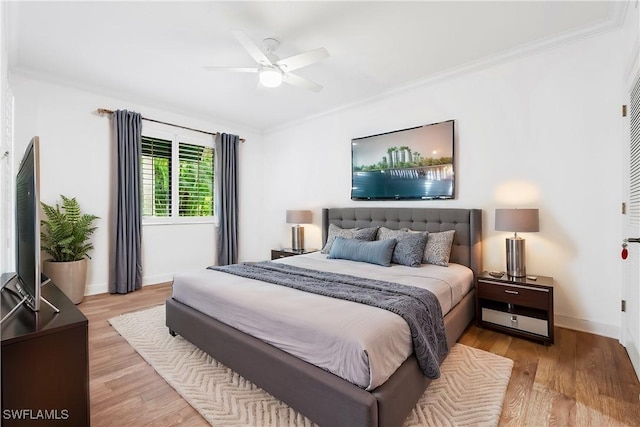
[(467, 243)]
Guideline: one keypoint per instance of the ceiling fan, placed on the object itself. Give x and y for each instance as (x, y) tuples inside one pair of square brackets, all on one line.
[(272, 70)]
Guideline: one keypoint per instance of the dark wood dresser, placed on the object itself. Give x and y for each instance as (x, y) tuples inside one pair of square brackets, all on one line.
[(518, 306), (45, 363)]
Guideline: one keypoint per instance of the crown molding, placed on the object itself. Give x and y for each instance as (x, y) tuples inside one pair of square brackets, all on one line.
[(614, 22), (107, 92)]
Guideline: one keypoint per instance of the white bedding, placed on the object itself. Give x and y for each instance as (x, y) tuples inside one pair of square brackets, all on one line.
[(359, 343)]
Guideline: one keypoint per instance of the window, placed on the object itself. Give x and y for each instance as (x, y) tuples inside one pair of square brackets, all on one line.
[(196, 180), (156, 177), (177, 179)]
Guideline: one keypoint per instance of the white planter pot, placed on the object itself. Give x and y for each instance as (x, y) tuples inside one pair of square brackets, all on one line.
[(70, 277)]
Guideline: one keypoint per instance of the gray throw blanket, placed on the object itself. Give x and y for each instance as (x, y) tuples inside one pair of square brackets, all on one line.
[(418, 307)]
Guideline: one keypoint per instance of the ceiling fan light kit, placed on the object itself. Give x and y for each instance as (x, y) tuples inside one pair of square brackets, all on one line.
[(270, 77), (272, 71)]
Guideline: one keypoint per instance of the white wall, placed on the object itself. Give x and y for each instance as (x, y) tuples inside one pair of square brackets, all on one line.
[(76, 149), (6, 152), (543, 131)]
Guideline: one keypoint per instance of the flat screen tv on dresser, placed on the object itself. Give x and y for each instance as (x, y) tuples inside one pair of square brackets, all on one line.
[(27, 234), (28, 224), (27, 231), (45, 354), (414, 164)]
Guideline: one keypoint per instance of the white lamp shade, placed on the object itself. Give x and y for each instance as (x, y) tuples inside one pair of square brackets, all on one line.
[(298, 217), (517, 220)]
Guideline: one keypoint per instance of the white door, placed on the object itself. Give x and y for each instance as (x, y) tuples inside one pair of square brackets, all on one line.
[(630, 336)]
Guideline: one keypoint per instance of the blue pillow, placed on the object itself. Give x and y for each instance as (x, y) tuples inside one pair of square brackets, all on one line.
[(376, 252)]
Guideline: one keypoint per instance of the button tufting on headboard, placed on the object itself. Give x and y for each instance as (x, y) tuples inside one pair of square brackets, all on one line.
[(467, 246)]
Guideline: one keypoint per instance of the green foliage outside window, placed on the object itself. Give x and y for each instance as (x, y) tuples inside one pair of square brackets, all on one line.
[(162, 187), (195, 179)]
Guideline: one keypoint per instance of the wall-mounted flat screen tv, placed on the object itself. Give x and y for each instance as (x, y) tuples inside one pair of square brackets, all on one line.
[(409, 164)]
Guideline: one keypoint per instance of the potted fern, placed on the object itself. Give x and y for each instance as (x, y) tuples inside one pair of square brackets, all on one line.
[(65, 237)]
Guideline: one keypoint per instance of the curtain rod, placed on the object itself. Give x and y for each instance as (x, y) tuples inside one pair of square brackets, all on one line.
[(105, 111)]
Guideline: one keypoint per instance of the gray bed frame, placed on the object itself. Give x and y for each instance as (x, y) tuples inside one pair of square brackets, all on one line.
[(320, 395)]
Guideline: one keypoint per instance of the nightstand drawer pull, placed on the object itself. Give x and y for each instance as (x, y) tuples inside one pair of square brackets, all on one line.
[(511, 292), (513, 285)]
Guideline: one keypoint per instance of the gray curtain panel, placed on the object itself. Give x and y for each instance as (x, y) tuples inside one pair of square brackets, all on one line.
[(226, 177), (125, 262)]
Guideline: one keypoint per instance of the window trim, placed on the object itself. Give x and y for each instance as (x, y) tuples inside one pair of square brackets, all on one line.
[(176, 138)]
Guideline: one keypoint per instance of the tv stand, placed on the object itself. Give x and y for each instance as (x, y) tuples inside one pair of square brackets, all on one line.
[(29, 298), (23, 295), (45, 362)]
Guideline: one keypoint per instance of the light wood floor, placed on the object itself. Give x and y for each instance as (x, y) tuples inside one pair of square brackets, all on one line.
[(581, 380)]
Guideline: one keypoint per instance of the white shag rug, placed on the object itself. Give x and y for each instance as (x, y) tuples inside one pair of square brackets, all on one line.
[(469, 392)]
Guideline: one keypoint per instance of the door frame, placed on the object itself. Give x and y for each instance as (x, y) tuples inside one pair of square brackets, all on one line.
[(627, 339)]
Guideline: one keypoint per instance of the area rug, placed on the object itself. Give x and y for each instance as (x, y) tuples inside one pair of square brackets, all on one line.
[(470, 390)]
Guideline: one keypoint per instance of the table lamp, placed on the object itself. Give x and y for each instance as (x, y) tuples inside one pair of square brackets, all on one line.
[(516, 220), (297, 232)]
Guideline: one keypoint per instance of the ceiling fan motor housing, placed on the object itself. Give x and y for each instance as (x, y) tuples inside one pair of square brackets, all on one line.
[(272, 70)]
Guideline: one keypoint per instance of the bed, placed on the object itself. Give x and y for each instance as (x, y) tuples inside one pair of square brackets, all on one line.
[(322, 396)]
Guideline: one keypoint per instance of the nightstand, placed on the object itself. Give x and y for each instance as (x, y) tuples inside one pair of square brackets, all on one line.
[(518, 306), (286, 252)]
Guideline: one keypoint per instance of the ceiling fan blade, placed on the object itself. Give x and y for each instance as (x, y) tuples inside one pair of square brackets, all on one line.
[(295, 80), (251, 47), (236, 69), (302, 60)]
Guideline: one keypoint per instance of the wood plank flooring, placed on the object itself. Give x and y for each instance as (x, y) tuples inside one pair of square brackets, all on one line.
[(582, 380)]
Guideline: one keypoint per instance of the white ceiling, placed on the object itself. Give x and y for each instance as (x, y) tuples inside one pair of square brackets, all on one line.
[(153, 52)]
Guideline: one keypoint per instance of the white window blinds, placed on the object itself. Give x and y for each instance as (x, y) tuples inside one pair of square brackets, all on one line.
[(177, 178), (156, 171), (196, 180)]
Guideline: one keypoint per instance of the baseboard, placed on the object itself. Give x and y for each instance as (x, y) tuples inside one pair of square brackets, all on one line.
[(156, 280), (96, 288), (582, 325), (103, 288), (634, 355)]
